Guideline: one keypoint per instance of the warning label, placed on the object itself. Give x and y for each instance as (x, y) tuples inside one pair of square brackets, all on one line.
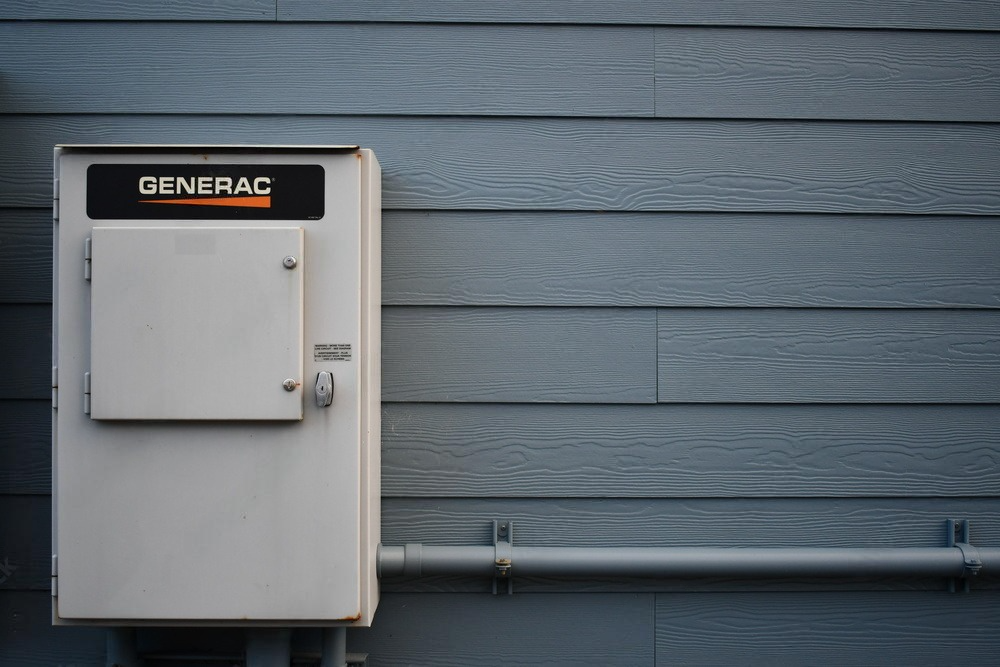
[(332, 352)]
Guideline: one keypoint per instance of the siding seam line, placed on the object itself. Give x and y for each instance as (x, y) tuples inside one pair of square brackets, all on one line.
[(656, 354), (656, 32)]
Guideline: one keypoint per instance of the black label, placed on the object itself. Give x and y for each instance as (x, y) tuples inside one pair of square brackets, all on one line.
[(205, 192)]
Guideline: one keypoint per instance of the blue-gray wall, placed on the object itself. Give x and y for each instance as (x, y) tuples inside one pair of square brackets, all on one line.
[(685, 273)]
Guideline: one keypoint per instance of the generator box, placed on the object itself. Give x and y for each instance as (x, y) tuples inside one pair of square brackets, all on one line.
[(216, 385)]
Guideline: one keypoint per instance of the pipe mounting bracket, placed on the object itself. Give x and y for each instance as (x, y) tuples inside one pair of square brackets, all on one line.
[(503, 539), (973, 564), (958, 537)]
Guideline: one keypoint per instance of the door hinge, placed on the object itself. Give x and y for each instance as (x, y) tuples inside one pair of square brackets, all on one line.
[(86, 258), (55, 575), (55, 199), (86, 393), (55, 387)]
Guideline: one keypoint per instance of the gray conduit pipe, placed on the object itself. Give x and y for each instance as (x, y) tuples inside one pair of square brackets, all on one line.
[(121, 648), (334, 647), (269, 647), (415, 560)]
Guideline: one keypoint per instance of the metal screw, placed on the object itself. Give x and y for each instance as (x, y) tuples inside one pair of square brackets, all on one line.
[(289, 384), (289, 262)]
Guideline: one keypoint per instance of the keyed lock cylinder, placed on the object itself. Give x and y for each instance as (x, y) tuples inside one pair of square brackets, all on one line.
[(324, 389)]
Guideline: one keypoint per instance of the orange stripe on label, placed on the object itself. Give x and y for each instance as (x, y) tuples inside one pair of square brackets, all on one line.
[(247, 202)]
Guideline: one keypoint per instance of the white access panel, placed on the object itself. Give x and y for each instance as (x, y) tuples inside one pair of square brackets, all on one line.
[(217, 302), (191, 486)]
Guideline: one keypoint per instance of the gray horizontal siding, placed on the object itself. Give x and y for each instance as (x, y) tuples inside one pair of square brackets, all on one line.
[(462, 630), (909, 14), (829, 628), (326, 69), (666, 451), (637, 259), (805, 356), (26, 353), (853, 628), (25, 446), (518, 355), (141, 10), (768, 189), (839, 74), (982, 585), (28, 638), (25, 256), (930, 14), (26, 543), (585, 164), (628, 259), (709, 522), (506, 70), (688, 451)]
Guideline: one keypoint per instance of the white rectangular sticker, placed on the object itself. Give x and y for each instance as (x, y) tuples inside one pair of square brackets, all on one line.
[(332, 352)]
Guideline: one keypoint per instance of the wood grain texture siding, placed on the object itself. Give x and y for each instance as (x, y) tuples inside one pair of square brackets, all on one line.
[(691, 522), (584, 164), (836, 74), (25, 543), (25, 256), (809, 629), (689, 451), (28, 638), (139, 10), (461, 630), (433, 450), (26, 355), (983, 584), (501, 70), (637, 259), (821, 356), (640, 259), (25, 447), (916, 14), (789, 235), (518, 355), (327, 69)]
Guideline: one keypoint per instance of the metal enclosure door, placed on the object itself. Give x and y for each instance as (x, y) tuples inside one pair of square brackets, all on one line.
[(195, 323)]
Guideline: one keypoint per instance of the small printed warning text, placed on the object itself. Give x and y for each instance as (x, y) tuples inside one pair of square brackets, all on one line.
[(332, 352)]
